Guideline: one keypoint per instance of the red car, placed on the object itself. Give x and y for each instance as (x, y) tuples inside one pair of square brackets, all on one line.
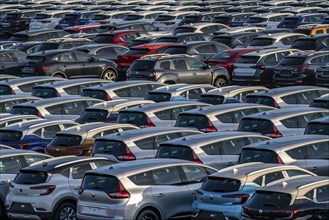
[(124, 61), (120, 37), (227, 58)]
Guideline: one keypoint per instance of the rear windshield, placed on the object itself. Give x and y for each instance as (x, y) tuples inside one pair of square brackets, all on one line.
[(304, 44), (137, 51), (22, 110), (189, 120), (11, 16), (176, 50), (255, 155), (64, 140), (111, 147), (44, 92), (108, 38), (264, 100), (102, 183), (222, 19), (142, 65), (317, 128), (98, 94), (132, 17), (261, 42), (247, 59), (135, 118), (101, 17), (224, 40), (30, 177), (47, 46), (184, 30), (296, 61), (256, 125), (211, 99), (256, 20), (175, 151), (167, 40), (10, 136), (164, 18), (273, 199), (226, 55), (93, 115), (41, 16), (158, 97), (71, 16), (19, 37), (217, 184), (320, 104), (291, 20), (5, 90)]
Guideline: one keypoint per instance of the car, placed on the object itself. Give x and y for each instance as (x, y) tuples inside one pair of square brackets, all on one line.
[(169, 21), (9, 59), (299, 68), (119, 37), (109, 17), (146, 16), (76, 18), (178, 92), (218, 117), (216, 149), (318, 126), (233, 19), (204, 27), (65, 87), (321, 102), (138, 144), (290, 199), (229, 94), (132, 25), (103, 51), (267, 20), (312, 43), (9, 119), (52, 184), (312, 29), (287, 97), (234, 30), (15, 21), (68, 64), (162, 114), (8, 101), (172, 69), (12, 161), (47, 20), (62, 43), (28, 47), (301, 19), (276, 40), (257, 67), (281, 122), (227, 58), (321, 75), (108, 111), (36, 35), (136, 89), (142, 40), (236, 40), (33, 134), (79, 140), (24, 86), (199, 17), (233, 187), (153, 188), (69, 107)]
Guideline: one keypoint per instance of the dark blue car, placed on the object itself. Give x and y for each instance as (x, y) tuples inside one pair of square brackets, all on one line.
[(301, 19), (76, 18)]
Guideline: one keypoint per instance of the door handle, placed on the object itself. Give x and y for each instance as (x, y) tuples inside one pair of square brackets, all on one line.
[(160, 195)]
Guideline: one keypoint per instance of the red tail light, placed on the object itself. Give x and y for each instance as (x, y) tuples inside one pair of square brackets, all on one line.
[(276, 105), (210, 128), (275, 133), (169, 23), (238, 198), (261, 67), (127, 156), (39, 114), (195, 158), (49, 189), (108, 97), (149, 123), (103, 22), (42, 68), (12, 92), (302, 68), (121, 194)]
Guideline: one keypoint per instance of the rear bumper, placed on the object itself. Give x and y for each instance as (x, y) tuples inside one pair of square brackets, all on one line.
[(35, 216)]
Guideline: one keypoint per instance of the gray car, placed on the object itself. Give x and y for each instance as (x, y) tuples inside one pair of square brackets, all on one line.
[(144, 189), (310, 152), (8, 101), (9, 119), (318, 126)]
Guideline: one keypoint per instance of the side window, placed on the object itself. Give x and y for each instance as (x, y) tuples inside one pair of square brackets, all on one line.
[(212, 149), (270, 59), (205, 49), (142, 179), (297, 153), (6, 57), (146, 143), (56, 109), (316, 60), (33, 158), (78, 171), (320, 31), (102, 163), (165, 114), (120, 50), (165, 65), (10, 165), (253, 140), (318, 150), (165, 137), (179, 65), (230, 117), (259, 180), (195, 174), (107, 51), (271, 177), (195, 64), (234, 146), (194, 93), (166, 176), (73, 90), (322, 194), (295, 173), (307, 97), (50, 132), (139, 91), (38, 132), (290, 99), (73, 108), (310, 194), (81, 57)]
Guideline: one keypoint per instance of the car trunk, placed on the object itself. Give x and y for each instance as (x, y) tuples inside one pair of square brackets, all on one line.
[(10, 136), (249, 155), (243, 65), (263, 100), (139, 119), (201, 122), (95, 93), (263, 126), (67, 144), (25, 110)]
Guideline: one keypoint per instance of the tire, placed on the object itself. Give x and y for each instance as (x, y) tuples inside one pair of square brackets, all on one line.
[(109, 75), (66, 211), (60, 75), (220, 82), (2, 211), (148, 214)]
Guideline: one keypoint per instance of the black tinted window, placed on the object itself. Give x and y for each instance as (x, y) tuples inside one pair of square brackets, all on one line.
[(158, 97), (63, 140), (320, 104), (102, 183), (92, 115), (115, 148), (317, 128), (211, 99), (304, 44), (254, 155), (261, 42), (296, 61), (247, 59), (274, 199), (217, 184), (104, 39), (136, 118), (142, 65), (21, 110), (45, 92), (188, 120), (263, 100), (6, 90), (28, 177), (10, 165), (98, 94), (175, 151)]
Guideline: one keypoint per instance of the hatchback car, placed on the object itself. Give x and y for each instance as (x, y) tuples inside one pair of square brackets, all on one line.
[(312, 43), (321, 102), (206, 28), (49, 189), (36, 35), (267, 20), (153, 189), (9, 59), (322, 75), (216, 149), (15, 21), (119, 37), (306, 151), (318, 126), (8, 101), (224, 193), (62, 43), (301, 19), (47, 20), (9, 119), (237, 40), (276, 40), (76, 18)]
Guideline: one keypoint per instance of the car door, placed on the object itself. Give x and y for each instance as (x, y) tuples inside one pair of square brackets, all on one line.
[(107, 53), (67, 64), (77, 172), (317, 155), (180, 73), (90, 67), (169, 192), (201, 74)]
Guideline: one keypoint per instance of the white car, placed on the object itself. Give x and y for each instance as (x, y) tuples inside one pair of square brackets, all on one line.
[(168, 22), (47, 20)]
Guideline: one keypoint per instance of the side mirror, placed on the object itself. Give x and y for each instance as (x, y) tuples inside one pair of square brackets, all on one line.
[(206, 67)]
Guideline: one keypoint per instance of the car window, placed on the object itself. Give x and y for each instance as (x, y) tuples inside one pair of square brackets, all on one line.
[(270, 59), (194, 93), (73, 90), (10, 165), (81, 57), (206, 49), (230, 117), (195, 64), (33, 158), (195, 174), (271, 177), (296, 173), (50, 131), (78, 171), (102, 163), (56, 109), (322, 194), (165, 65), (300, 121), (166, 176), (180, 64), (6, 57), (318, 150), (65, 58), (142, 179), (73, 108), (146, 144), (233, 146), (109, 52)]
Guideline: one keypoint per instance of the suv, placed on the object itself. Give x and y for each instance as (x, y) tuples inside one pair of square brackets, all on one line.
[(9, 59), (257, 67), (322, 75), (14, 22), (300, 68), (268, 20), (276, 40), (76, 18), (317, 42), (172, 69), (318, 126), (62, 43), (49, 189)]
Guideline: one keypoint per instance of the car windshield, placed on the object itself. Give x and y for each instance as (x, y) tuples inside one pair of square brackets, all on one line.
[(158, 96), (164, 18), (256, 20), (175, 151), (192, 120), (97, 94), (317, 128), (176, 50), (93, 115), (221, 185), (44, 92), (295, 61), (320, 104), (41, 16), (226, 55), (110, 147), (19, 37), (256, 125), (261, 42), (142, 65), (64, 140), (212, 99), (30, 177), (10, 136), (247, 59), (255, 155)]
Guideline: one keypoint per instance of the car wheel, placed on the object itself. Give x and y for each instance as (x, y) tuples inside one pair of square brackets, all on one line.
[(109, 75), (148, 214), (66, 211), (220, 82)]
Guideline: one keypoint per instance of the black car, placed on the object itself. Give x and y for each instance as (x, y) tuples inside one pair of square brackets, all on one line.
[(317, 42), (103, 51), (67, 64), (9, 60), (15, 21), (37, 35), (300, 68), (27, 47), (183, 37)]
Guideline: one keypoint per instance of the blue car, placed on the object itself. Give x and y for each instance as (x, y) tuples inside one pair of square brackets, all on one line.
[(76, 18), (32, 135), (223, 194), (301, 19)]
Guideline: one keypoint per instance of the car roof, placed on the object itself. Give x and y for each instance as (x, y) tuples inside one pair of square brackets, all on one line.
[(27, 80), (117, 103), (72, 82), (5, 98), (34, 124), (122, 84), (179, 87), (6, 152), (282, 91)]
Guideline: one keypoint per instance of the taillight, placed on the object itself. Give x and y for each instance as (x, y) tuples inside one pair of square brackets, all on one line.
[(301, 68), (108, 97), (48, 189), (104, 22), (121, 194), (210, 128), (275, 133), (43, 68), (276, 105), (195, 158), (238, 198), (152, 75), (39, 114), (12, 92), (261, 67), (127, 156), (149, 123)]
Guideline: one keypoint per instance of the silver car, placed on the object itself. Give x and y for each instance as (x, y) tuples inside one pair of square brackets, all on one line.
[(145, 189)]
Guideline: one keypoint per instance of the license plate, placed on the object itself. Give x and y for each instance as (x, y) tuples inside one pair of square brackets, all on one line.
[(27, 70), (94, 211)]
